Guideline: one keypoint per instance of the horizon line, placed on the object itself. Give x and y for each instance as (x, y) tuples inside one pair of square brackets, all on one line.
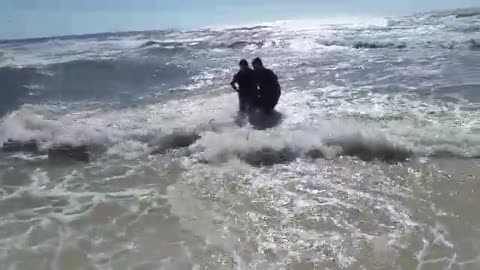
[(209, 27)]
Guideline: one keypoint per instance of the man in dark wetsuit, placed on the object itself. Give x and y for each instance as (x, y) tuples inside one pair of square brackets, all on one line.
[(269, 88), (247, 89)]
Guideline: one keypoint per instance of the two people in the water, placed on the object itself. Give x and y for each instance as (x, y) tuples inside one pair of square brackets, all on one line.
[(257, 87)]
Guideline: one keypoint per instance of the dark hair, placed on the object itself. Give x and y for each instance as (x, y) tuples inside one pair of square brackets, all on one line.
[(243, 62), (257, 61)]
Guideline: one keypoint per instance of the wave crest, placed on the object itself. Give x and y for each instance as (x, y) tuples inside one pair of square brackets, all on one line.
[(259, 148), (378, 45)]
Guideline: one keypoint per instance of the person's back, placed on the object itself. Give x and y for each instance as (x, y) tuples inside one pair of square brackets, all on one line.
[(269, 87), (247, 88), (267, 82), (246, 82)]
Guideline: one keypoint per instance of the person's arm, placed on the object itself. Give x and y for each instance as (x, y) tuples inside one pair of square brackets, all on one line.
[(234, 81), (274, 78)]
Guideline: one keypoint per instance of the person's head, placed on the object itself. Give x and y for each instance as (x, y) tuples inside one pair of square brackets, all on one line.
[(257, 63), (243, 64)]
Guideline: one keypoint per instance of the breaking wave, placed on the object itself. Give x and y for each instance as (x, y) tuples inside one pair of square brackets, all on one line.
[(258, 148), (467, 14), (170, 48), (208, 143), (156, 47), (378, 45)]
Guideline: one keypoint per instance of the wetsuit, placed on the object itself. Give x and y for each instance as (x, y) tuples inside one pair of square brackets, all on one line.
[(269, 89), (247, 89)]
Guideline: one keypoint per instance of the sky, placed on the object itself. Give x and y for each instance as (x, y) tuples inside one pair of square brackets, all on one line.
[(41, 18)]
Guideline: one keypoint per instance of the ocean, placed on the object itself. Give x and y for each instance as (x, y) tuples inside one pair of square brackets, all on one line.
[(371, 162)]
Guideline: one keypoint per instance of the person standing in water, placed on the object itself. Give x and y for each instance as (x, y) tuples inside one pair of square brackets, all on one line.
[(268, 85), (247, 89)]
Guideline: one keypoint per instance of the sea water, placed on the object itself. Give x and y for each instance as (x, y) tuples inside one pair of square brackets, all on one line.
[(371, 164)]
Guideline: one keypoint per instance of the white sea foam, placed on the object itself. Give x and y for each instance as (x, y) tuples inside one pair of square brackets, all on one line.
[(220, 138)]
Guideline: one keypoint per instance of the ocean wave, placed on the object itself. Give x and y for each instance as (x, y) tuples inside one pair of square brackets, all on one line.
[(467, 92), (378, 45), (457, 13), (474, 45), (94, 130), (124, 133), (467, 14), (262, 149), (14, 83), (309, 44), (470, 44), (113, 79), (25, 125), (164, 44), (45, 134), (472, 29), (170, 48), (242, 44), (150, 43), (175, 140), (248, 28), (156, 46), (262, 42)]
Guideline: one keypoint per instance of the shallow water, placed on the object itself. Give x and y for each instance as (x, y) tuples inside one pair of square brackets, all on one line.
[(371, 163)]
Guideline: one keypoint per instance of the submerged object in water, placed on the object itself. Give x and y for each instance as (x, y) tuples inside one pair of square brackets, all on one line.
[(69, 152), (20, 146), (57, 152)]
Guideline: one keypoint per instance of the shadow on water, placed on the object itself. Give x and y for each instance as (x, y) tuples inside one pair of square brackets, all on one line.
[(263, 121), (260, 120)]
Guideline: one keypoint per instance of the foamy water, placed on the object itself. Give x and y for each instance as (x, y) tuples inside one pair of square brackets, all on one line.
[(369, 163)]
